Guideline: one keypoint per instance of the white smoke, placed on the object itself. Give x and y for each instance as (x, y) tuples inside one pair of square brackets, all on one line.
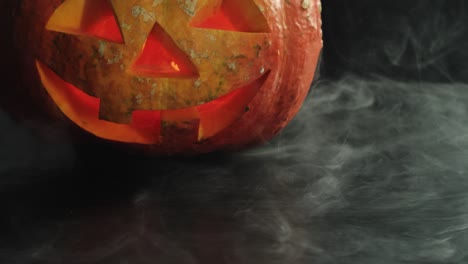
[(370, 171)]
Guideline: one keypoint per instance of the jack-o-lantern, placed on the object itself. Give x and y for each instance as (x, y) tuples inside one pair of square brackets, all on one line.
[(179, 76)]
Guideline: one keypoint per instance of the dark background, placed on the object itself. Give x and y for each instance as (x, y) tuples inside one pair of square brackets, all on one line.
[(406, 40), (372, 170)]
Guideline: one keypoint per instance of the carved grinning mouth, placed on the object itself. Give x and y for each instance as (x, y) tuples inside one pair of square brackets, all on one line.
[(159, 58), (145, 127)]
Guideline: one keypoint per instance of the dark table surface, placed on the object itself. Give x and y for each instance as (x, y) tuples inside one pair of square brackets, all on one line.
[(374, 169)]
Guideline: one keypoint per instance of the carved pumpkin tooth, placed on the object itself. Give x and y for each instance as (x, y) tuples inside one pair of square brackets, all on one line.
[(219, 114), (83, 110)]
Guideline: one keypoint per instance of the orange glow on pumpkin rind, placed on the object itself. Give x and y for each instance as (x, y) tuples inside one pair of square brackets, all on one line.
[(159, 58)]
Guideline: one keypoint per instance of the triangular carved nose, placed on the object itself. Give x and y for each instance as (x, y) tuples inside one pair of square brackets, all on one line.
[(162, 58), (93, 18)]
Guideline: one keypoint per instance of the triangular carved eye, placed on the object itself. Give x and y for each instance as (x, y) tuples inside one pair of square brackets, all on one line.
[(93, 18), (160, 57), (239, 15)]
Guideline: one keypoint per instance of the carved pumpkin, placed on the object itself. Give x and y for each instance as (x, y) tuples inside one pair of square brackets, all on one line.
[(179, 76)]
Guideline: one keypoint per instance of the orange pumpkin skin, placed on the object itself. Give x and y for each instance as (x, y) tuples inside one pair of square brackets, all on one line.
[(248, 86)]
